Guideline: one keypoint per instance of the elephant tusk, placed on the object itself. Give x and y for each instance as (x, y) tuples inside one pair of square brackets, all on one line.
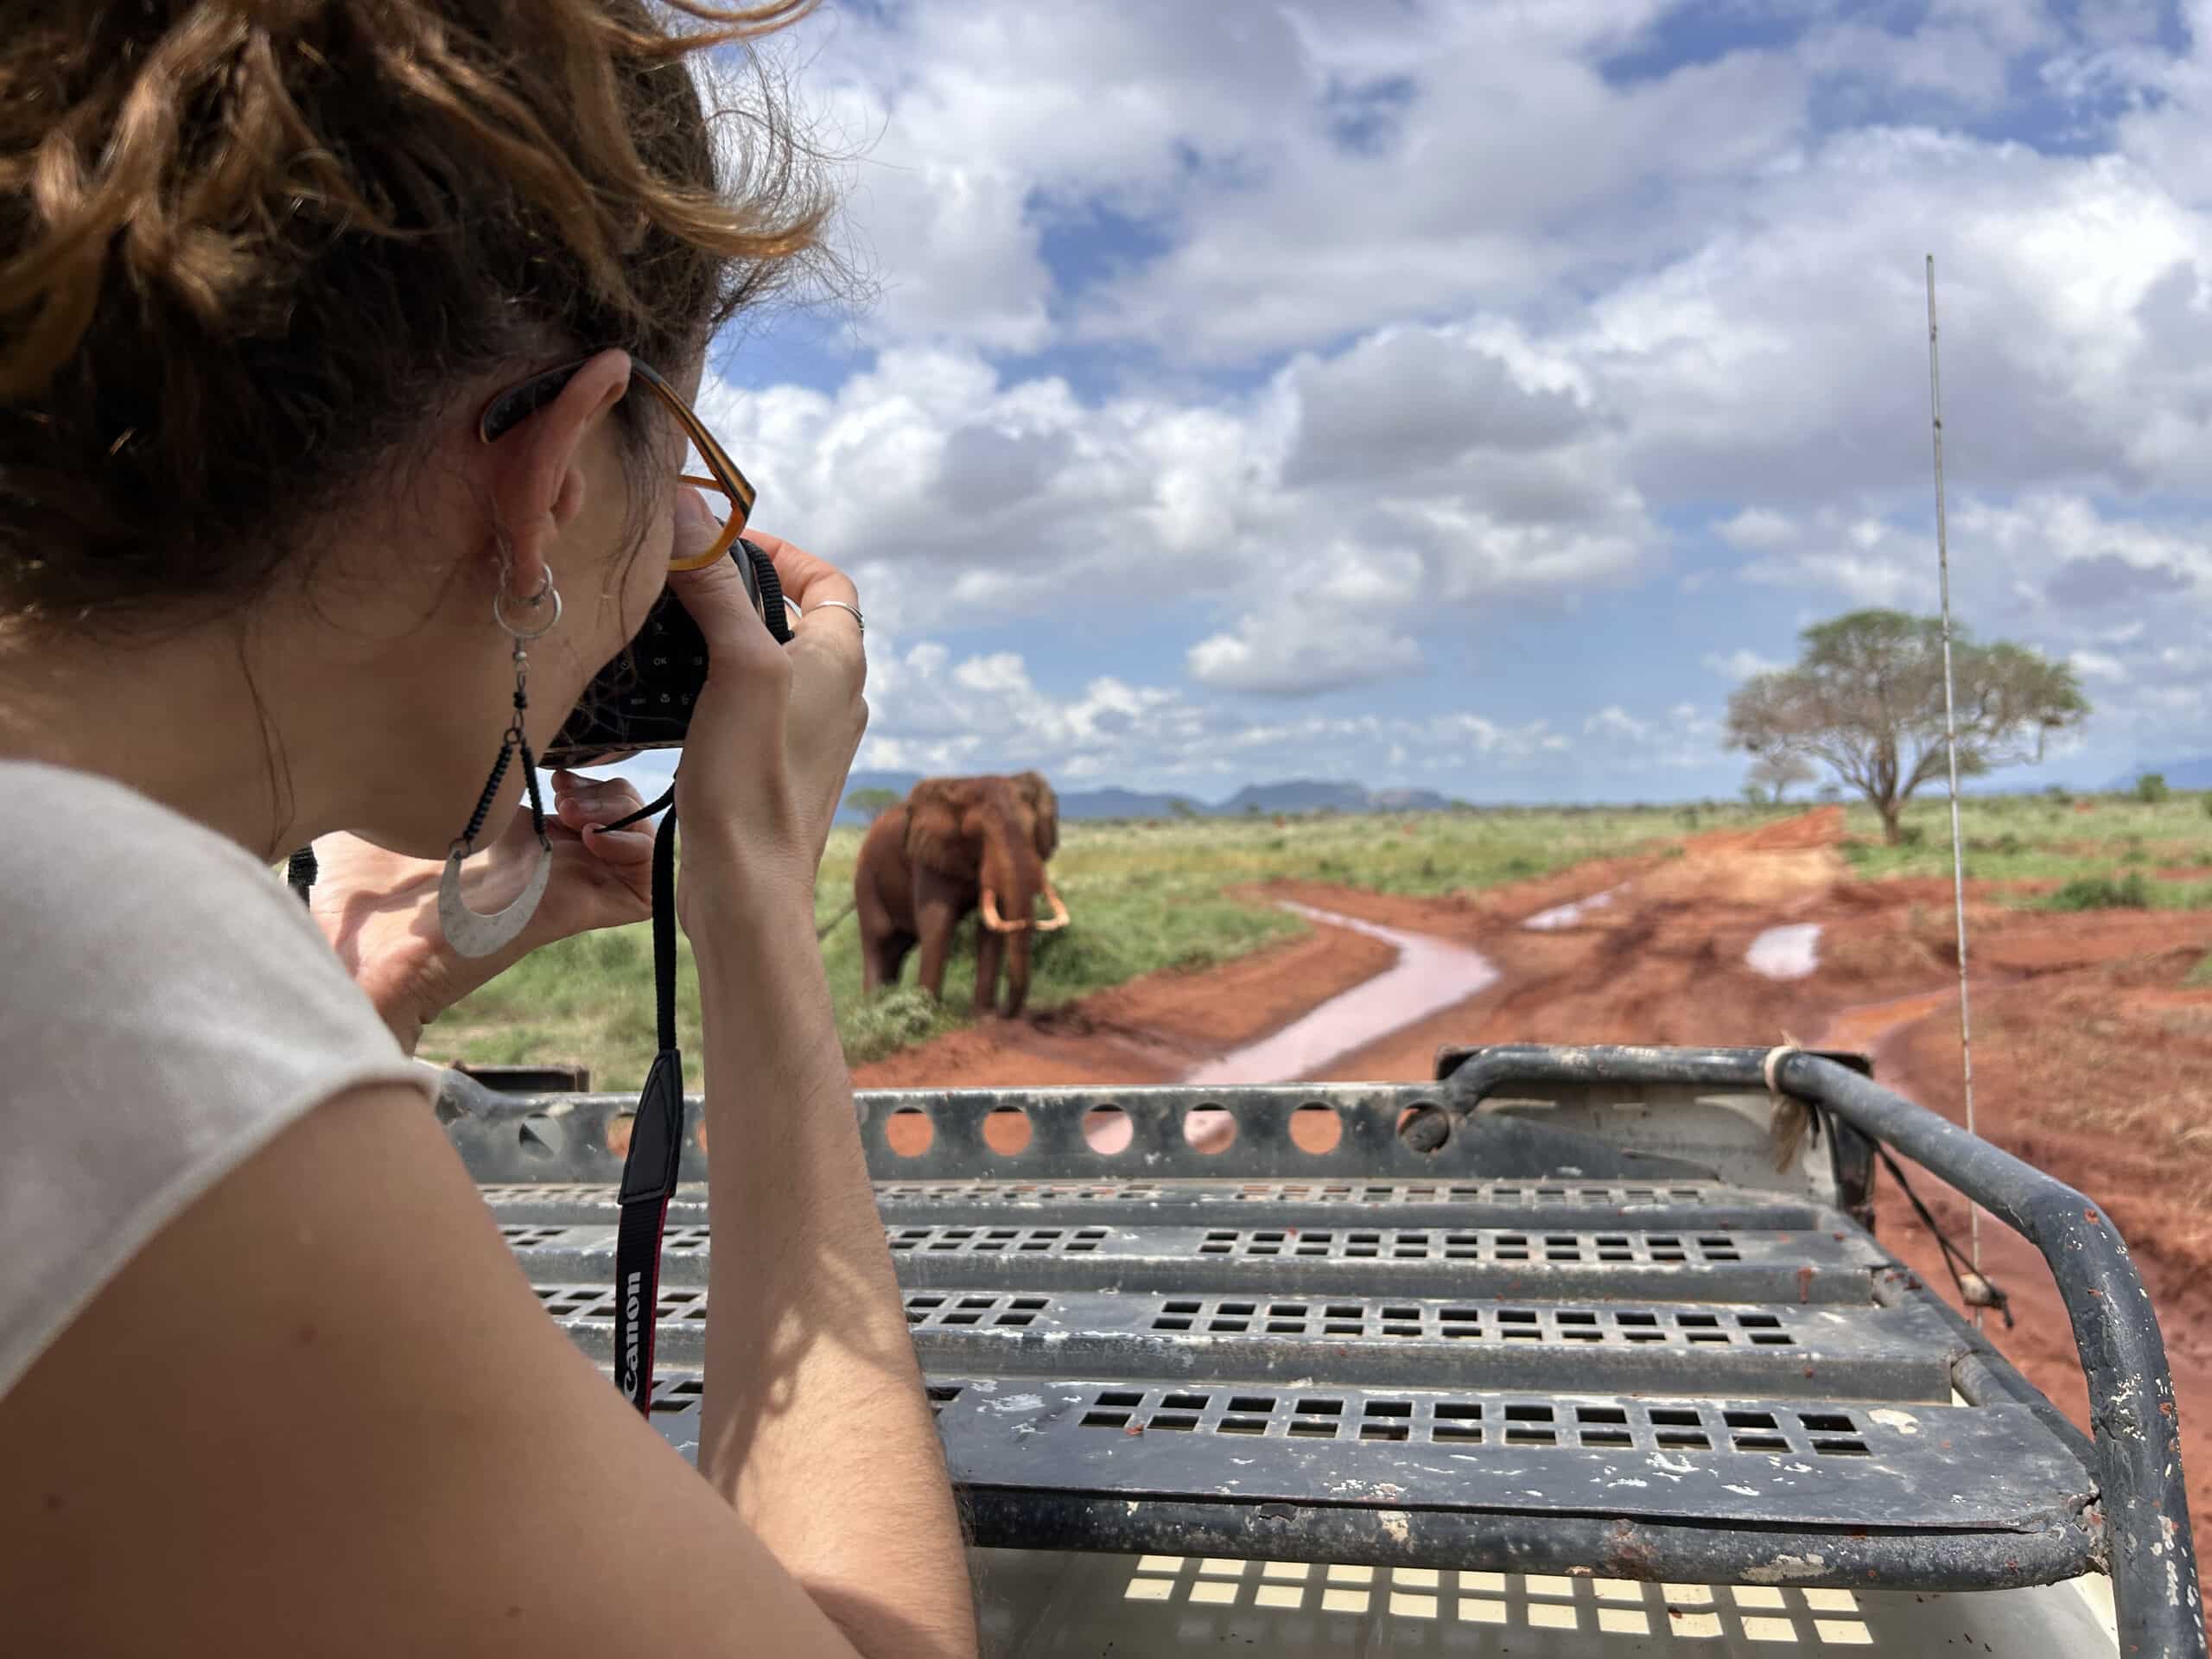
[(1059, 910), (993, 920)]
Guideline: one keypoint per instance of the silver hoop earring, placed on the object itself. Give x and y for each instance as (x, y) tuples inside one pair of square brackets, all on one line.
[(471, 933)]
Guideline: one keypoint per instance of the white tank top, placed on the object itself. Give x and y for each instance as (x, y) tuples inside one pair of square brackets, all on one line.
[(166, 1007)]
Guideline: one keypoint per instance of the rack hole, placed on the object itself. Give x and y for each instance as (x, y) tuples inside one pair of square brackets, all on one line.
[(1108, 1130), (1316, 1129), (1209, 1129), (1006, 1130), (908, 1131), (1424, 1129)]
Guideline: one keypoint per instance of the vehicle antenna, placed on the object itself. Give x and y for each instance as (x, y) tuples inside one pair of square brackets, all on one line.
[(1976, 1286)]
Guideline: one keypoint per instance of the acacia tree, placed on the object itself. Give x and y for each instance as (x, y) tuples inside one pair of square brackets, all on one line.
[(872, 803), (1865, 700), (1772, 775)]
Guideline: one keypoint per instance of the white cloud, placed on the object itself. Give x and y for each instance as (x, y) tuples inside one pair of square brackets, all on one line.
[(1500, 317), (1757, 529), (1783, 359), (932, 714), (1682, 736), (987, 711), (1506, 147), (1302, 512), (1407, 399), (1292, 653), (1740, 663), (1002, 673), (1615, 721)]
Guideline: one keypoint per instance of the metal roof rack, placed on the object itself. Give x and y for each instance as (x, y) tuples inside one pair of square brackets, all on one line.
[(1562, 1311)]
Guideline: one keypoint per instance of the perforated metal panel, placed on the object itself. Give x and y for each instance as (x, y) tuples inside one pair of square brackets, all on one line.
[(1653, 1354)]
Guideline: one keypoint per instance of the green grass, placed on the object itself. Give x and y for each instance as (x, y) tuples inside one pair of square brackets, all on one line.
[(2032, 838), (1145, 897), (2131, 891)]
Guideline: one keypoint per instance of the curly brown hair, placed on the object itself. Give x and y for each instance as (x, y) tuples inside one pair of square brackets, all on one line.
[(248, 246)]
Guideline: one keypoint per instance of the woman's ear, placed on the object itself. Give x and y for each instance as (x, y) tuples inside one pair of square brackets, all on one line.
[(538, 478)]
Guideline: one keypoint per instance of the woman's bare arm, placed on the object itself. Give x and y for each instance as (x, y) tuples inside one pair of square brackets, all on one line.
[(814, 1412), (322, 1413)]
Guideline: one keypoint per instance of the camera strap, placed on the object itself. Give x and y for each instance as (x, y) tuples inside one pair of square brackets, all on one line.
[(656, 1144), (657, 1132)]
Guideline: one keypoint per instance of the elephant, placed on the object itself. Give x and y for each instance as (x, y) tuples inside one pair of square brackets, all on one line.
[(958, 844)]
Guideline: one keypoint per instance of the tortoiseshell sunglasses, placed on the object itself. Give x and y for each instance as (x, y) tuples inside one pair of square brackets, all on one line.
[(516, 405)]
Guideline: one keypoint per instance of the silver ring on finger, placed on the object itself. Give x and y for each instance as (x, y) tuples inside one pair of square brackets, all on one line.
[(840, 604)]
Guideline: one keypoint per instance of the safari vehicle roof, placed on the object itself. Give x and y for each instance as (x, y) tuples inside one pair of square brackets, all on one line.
[(1607, 1367)]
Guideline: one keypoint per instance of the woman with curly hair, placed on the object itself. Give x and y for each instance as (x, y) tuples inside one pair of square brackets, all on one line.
[(346, 354)]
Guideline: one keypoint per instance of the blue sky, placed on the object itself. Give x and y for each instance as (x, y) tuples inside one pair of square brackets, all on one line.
[(1469, 396)]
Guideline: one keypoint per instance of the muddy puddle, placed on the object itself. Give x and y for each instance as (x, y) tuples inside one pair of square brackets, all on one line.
[(1431, 973), (1559, 916), (1790, 952)]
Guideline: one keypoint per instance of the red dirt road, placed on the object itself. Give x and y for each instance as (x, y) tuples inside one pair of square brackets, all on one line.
[(2091, 1060)]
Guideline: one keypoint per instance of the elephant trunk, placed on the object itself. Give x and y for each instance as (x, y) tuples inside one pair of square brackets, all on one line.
[(1017, 972), (1012, 881)]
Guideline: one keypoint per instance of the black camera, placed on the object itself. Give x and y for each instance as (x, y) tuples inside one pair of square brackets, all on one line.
[(643, 699)]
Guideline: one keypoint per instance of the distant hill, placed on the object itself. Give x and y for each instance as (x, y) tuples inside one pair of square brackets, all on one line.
[(1297, 795), (2196, 774), (1407, 800), (1310, 795), (1292, 795), (1119, 803)]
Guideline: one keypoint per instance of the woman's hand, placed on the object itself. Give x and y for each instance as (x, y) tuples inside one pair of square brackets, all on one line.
[(379, 910), (773, 735)]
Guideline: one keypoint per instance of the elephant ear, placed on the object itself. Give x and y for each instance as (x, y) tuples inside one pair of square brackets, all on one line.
[(1044, 809), (935, 840)]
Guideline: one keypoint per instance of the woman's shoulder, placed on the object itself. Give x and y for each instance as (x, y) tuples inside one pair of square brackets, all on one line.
[(166, 1007), (122, 906), (101, 870), (80, 815)]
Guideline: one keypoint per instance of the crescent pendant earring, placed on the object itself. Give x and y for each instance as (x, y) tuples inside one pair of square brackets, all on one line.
[(473, 933)]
